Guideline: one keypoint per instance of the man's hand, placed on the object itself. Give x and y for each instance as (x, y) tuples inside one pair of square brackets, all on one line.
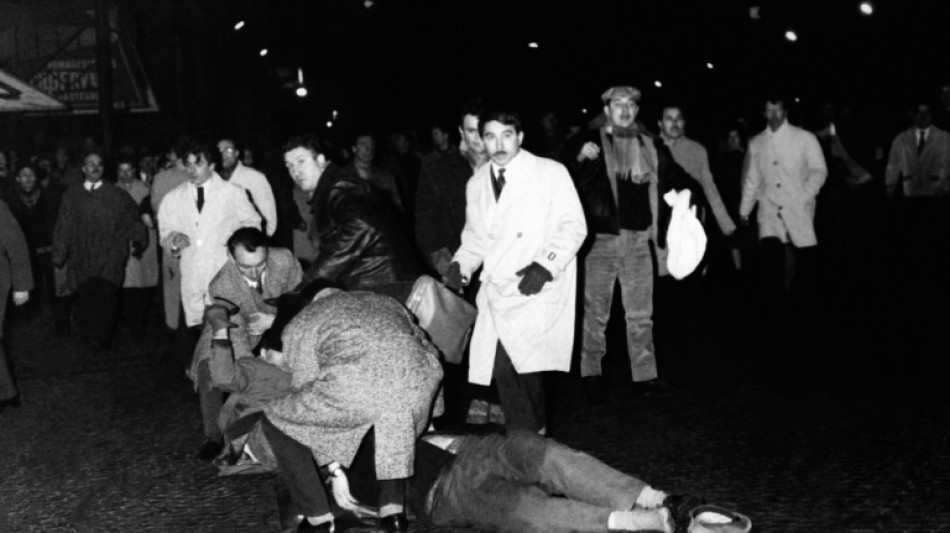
[(590, 150), (533, 278), (441, 259), (453, 278), (178, 242), (745, 221), (137, 250), (260, 322), (21, 297), (218, 316), (341, 490)]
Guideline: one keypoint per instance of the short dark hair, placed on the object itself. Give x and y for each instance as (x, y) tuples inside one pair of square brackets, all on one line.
[(308, 141), (778, 99), (125, 160), (88, 153), (474, 107), (206, 150), (238, 146), (671, 105), (504, 116), (288, 306), (248, 238)]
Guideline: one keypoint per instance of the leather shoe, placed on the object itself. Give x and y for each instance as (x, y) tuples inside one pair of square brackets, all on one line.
[(651, 387), (306, 527), (594, 390), (209, 450), (394, 523)]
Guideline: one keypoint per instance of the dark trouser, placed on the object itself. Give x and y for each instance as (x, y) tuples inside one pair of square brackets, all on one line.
[(521, 395), (7, 386), (94, 309), (186, 338), (212, 400), (514, 484), (789, 291), (135, 304), (298, 471)]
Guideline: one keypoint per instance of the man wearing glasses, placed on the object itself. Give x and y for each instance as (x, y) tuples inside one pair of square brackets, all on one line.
[(96, 223), (258, 189)]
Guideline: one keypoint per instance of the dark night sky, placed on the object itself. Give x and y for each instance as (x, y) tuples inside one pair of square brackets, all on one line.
[(409, 62)]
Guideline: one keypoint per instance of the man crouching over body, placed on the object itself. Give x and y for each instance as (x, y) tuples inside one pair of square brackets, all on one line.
[(356, 361), (515, 483)]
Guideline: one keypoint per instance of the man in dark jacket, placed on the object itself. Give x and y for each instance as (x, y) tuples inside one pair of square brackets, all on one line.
[(362, 241), (14, 274), (622, 175), (96, 223)]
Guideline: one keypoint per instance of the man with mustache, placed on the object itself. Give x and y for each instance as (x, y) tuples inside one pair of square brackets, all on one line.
[(523, 225)]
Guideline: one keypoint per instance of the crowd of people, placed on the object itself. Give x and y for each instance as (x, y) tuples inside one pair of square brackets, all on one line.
[(287, 296)]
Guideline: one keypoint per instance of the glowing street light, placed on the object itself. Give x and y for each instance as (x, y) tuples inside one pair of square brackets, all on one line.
[(584, 111), (791, 36), (866, 8), (335, 113), (532, 44), (329, 124), (239, 25), (301, 91), (709, 66), (263, 52), (657, 84)]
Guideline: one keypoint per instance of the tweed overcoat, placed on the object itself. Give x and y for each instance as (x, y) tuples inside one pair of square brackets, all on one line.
[(358, 361)]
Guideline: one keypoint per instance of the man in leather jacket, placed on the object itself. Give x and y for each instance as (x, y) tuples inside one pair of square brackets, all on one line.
[(621, 176), (360, 234)]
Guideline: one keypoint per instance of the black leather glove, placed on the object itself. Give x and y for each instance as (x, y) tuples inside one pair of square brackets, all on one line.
[(218, 315), (137, 250), (533, 278), (453, 278)]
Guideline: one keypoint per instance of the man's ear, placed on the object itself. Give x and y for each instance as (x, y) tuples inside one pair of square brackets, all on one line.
[(321, 160)]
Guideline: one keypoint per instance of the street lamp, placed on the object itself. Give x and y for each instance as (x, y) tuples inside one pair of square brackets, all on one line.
[(791, 36), (263, 52), (866, 8), (239, 25)]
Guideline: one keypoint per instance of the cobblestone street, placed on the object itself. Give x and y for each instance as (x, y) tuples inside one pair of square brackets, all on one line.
[(105, 442)]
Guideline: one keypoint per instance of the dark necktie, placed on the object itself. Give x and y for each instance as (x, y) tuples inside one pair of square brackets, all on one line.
[(921, 136), (498, 183), (201, 198), (260, 287)]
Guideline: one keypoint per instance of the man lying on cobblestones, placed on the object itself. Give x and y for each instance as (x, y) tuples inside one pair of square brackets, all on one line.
[(519, 483), (345, 354)]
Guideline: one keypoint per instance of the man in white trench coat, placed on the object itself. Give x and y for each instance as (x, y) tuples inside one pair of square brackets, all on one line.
[(523, 224)]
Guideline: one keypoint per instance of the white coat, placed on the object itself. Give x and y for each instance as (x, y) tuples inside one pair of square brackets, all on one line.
[(256, 183), (538, 218), (785, 170), (226, 209)]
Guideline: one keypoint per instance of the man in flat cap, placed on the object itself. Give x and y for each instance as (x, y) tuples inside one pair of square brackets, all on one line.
[(621, 175)]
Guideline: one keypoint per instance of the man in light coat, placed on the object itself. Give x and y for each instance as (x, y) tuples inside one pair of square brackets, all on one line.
[(258, 189), (785, 170), (919, 162), (195, 220), (524, 225)]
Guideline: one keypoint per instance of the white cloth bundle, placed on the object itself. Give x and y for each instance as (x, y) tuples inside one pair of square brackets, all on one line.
[(685, 238)]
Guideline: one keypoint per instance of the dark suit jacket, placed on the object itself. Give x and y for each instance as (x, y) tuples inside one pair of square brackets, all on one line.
[(15, 270)]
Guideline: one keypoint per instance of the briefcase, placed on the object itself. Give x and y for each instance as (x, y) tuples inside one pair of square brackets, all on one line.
[(444, 315)]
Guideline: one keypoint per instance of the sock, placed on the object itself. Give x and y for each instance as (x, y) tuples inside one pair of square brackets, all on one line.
[(650, 497), (641, 520), (390, 509), (317, 520)]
